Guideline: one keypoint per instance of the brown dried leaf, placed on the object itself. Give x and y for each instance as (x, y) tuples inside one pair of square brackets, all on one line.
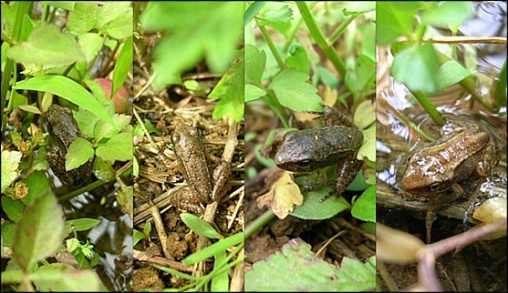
[(283, 196)]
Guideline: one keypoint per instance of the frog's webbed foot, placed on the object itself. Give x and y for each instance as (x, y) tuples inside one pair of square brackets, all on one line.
[(346, 173)]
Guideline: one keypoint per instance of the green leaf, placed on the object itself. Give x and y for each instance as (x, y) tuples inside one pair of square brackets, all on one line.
[(230, 92), (121, 27), (220, 281), (8, 230), (90, 44), (82, 19), (61, 277), (364, 208), (196, 29), (37, 184), (10, 164), (313, 209), (394, 20), (79, 152), (298, 59), (111, 11), (67, 89), (279, 19), (103, 170), (253, 92), (421, 59), (314, 274), (83, 224), (118, 148), (12, 208), (449, 14), (200, 226), (364, 76), (254, 65), (295, 92), (40, 232), (47, 47), (103, 130), (136, 237), (213, 249), (451, 73)]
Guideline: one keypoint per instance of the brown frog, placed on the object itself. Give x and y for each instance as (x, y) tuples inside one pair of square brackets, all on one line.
[(314, 149), (202, 186), (434, 173), (63, 131)]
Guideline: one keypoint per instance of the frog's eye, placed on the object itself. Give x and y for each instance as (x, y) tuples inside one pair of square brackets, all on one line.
[(304, 163), (435, 186)]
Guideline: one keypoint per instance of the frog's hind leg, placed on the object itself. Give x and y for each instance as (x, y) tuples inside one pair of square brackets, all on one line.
[(346, 173), (429, 219), (334, 117)]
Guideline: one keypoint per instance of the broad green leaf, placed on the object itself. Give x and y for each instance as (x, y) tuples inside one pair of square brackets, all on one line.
[(200, 226), (364, 76), (279, 19), (118, 148), (67, 89), (66, 5), (364, 208), (298, 59), (393, 21), (365, 114), (8, 229), (37, 184), (103, 170), (295, 92), (79, 152), (313, 209), (449, 14), (61, 277), (253, 92), (421, 60), (12, 208), (314, 274), (90, 44), (47, 47), (196, 30), (103, 130), (122, 66), (136, 237), (254, 65), (451, 73), (40, 232), (121, 27), (10, 164), (111, 11), (83, 18), (83, 224), (86, 121), (360, 6), (230, 93)]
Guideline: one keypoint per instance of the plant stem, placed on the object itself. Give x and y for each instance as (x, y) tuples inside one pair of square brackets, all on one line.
[(318, 36), (342, 27), (21, 9), (271, 45), (259, 223), (429, 108)]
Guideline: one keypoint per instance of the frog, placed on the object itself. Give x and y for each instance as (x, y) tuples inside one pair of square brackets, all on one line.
[(335, 144), (63, 131), (203, 185), (434, 173)]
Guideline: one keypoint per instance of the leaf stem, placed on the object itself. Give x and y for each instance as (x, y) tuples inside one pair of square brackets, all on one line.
[(259, 223), (429, 107), (318, 36), (271, 45), (342, 27)]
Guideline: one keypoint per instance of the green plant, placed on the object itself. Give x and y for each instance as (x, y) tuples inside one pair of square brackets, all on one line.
[(44, 63), (303, 56)]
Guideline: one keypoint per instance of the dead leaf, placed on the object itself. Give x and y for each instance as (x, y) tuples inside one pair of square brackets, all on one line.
[(283, 196)]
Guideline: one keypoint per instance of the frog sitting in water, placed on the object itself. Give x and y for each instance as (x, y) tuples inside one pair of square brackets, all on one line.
[(435, 170), (313, 149), (63, 131)]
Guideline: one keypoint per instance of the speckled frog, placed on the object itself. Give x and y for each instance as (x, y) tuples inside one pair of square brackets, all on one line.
[(63, 130), (313, 149), (434, 172)]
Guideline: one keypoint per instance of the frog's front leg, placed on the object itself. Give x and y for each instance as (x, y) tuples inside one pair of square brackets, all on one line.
[(345, 174), (221, 176)]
